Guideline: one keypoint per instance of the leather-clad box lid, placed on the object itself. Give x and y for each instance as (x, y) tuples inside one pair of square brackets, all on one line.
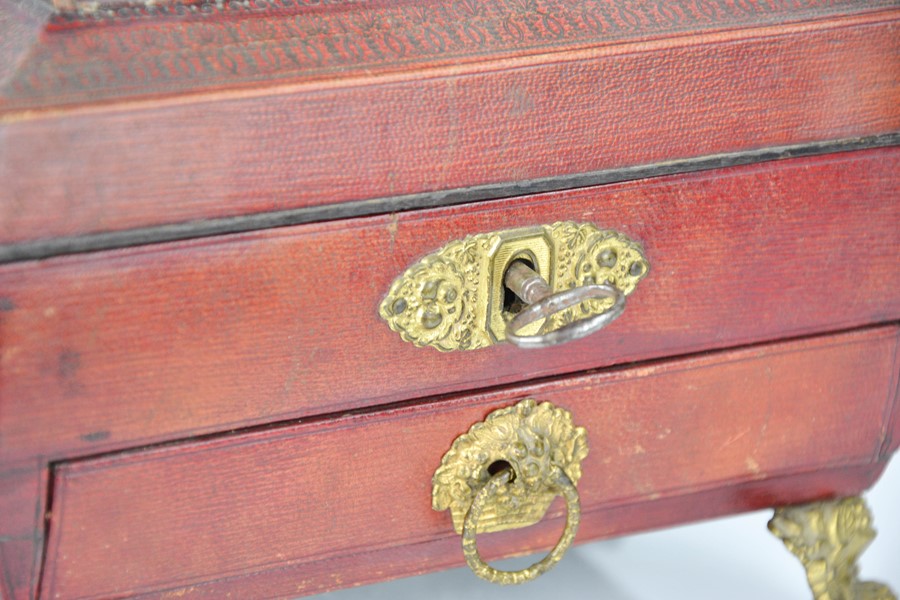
[(137, 117)]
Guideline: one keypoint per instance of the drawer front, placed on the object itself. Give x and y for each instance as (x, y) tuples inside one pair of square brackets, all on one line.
[(112, 349), (301, 508)]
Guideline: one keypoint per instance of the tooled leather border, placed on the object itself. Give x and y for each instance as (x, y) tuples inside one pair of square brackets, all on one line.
[(141, 50)]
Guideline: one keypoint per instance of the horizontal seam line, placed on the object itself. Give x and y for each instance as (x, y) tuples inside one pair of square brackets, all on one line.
[(157, 234)]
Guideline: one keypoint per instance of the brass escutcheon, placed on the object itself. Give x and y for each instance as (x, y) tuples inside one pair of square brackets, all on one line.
[(455, 298), (504, 474)]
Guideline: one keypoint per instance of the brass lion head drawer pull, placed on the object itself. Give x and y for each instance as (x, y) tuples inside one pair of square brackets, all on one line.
[(571, 277), (505, 472)]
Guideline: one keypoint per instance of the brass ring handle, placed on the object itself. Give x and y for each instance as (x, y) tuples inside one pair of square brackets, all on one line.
[(557, 481), (542, 303)]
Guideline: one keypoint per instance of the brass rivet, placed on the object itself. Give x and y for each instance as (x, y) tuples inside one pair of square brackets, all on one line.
[(607, 258)]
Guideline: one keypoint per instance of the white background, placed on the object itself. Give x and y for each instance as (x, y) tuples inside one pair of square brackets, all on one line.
[(735, 558)]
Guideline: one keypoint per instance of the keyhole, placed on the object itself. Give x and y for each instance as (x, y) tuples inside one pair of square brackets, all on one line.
[(499, 466), (512, 304)]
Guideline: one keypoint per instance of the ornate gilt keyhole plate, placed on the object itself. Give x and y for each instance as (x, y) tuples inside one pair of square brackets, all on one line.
[(453, 299)]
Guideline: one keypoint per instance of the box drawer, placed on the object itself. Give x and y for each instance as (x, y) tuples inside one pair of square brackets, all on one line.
[(154, 343), (300, 508)]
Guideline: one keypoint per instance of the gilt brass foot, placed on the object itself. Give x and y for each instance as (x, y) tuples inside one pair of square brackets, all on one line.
[(828, 538)]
